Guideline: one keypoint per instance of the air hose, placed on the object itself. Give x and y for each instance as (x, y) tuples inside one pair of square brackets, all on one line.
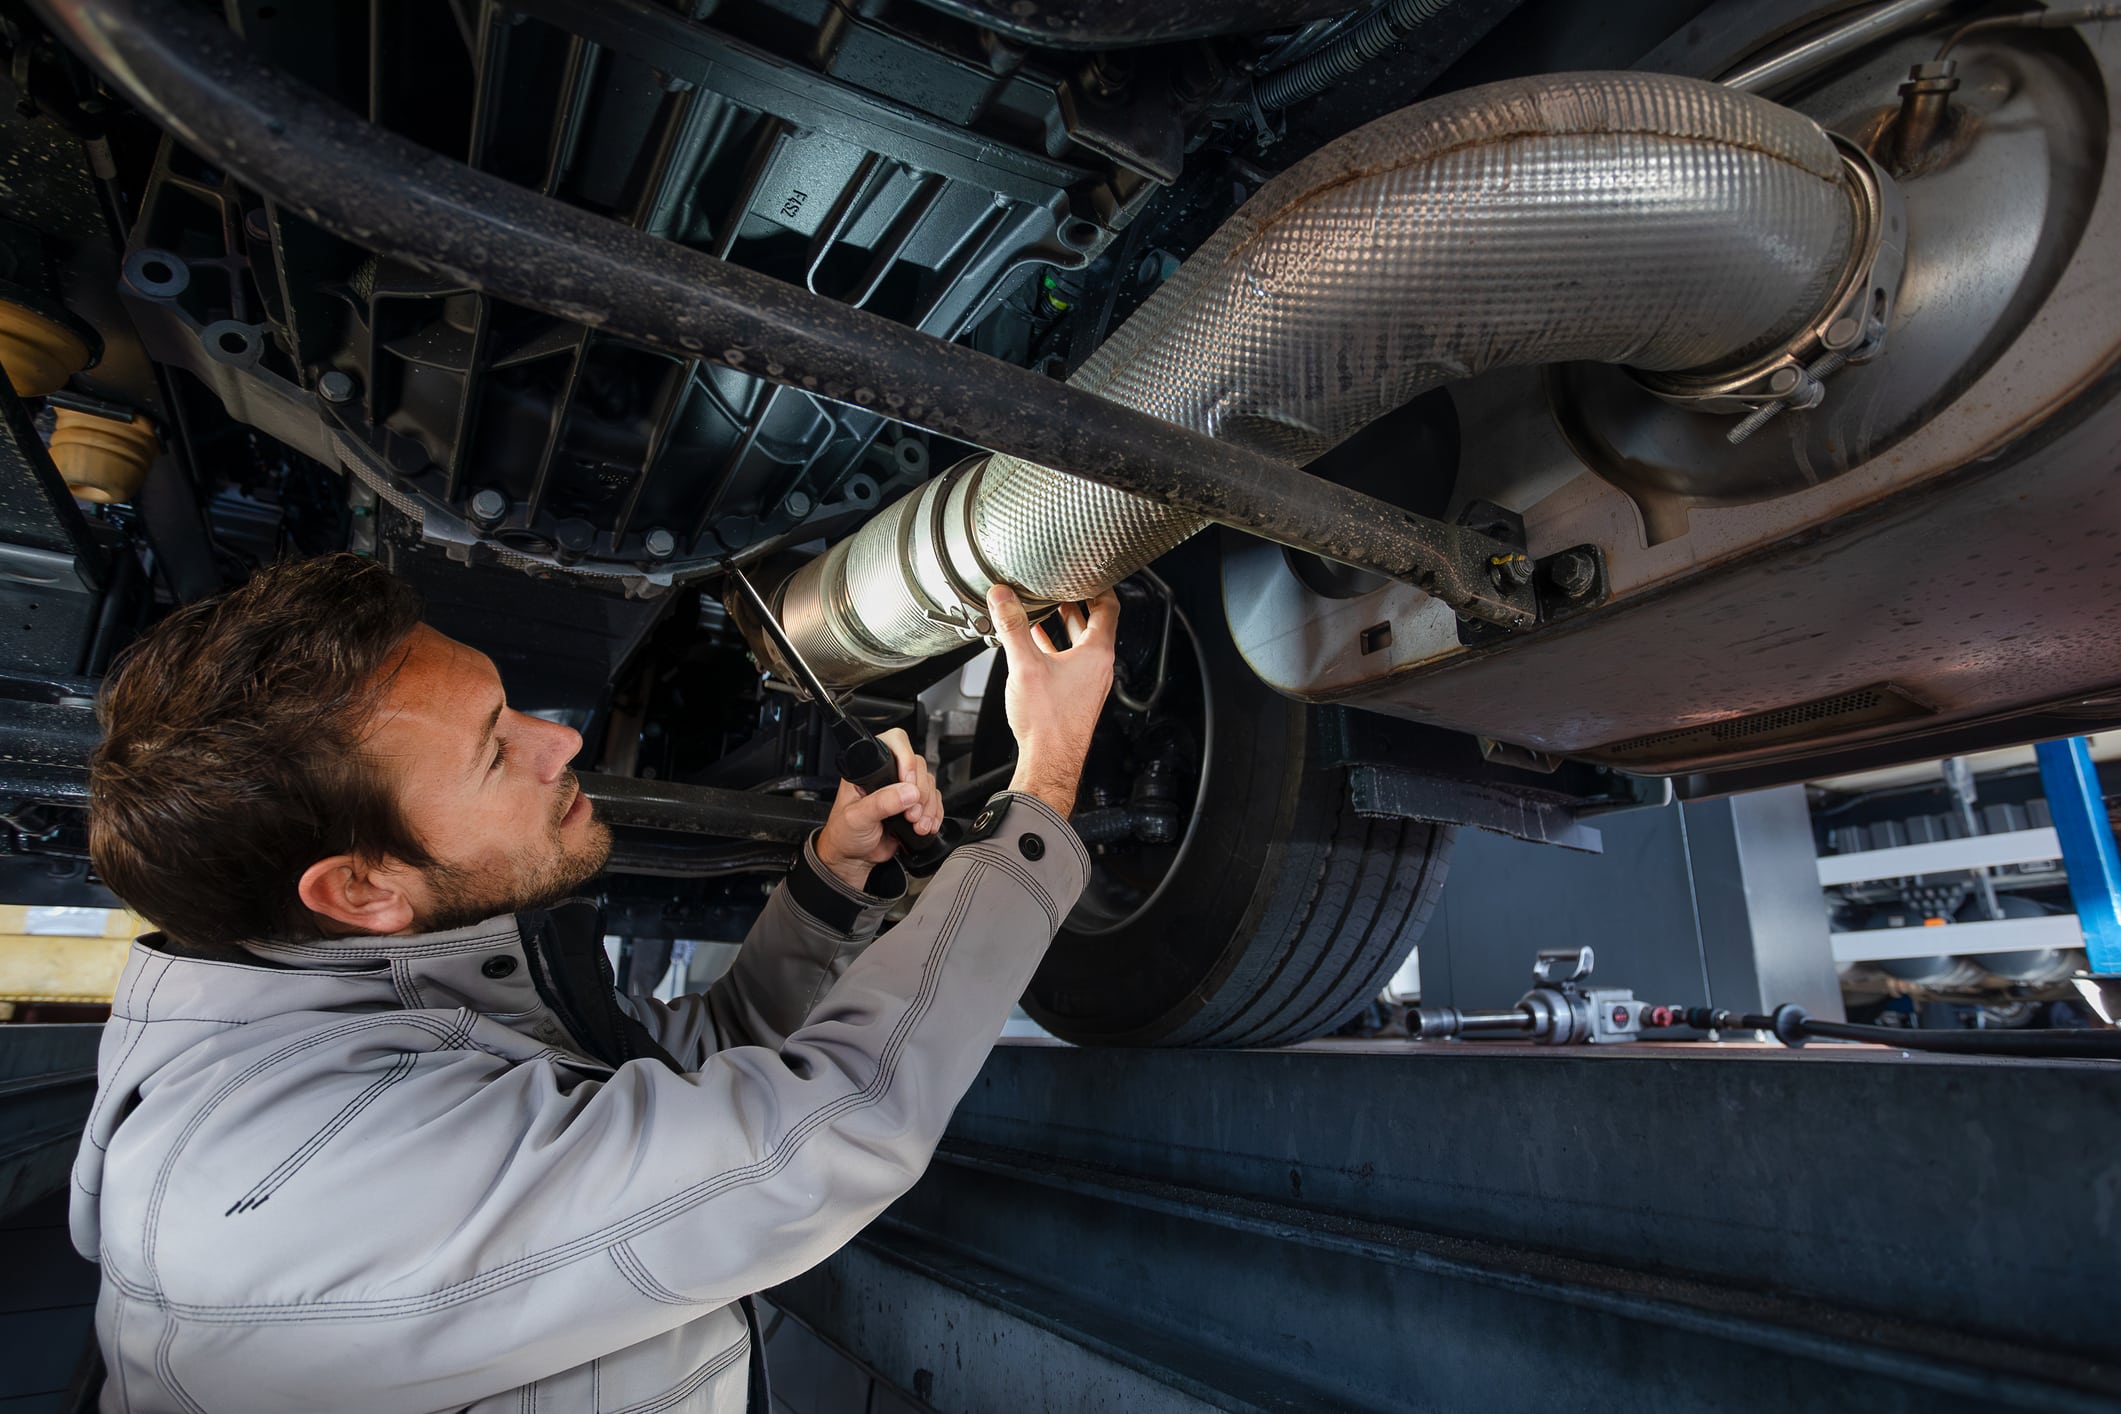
[(1793, 1026)]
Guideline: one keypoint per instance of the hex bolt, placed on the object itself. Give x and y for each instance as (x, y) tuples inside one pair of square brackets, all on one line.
[(489, 505), (1002, 56), (1108, 74), (798, 504), (1513, 570), (574, 536), (337, 387), (1156, 267), (1822, 367), (660, 543), (1573, 572)]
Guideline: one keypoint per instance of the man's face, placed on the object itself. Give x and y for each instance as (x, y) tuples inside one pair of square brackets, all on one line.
[(486, 788)]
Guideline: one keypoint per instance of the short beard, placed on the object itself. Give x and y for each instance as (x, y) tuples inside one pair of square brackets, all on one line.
[(465, 896)]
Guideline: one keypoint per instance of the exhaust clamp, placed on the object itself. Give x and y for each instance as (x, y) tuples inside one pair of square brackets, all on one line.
[(1852, 329)]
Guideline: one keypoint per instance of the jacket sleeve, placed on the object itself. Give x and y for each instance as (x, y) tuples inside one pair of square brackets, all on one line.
[(812, 928), (495, 1222)]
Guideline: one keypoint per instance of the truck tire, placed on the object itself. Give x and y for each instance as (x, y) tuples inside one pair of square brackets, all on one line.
[(1283, 913)]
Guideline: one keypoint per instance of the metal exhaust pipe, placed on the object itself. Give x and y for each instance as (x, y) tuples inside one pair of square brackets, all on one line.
[(1662, 223)]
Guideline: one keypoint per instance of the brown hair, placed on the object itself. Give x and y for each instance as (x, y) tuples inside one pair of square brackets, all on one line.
[(231, 757)]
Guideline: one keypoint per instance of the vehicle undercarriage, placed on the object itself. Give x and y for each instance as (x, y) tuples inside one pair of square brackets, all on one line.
[(1489, 414)]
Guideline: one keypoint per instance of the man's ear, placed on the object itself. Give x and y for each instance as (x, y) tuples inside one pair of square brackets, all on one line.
[(356, 896)]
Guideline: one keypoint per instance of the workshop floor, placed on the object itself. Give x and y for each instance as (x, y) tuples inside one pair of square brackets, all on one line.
[(811, 1377), (47, 1308)]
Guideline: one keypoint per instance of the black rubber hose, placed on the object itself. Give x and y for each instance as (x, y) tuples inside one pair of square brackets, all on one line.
[(2082, 1043), (1376, 33), (1793, 1027)]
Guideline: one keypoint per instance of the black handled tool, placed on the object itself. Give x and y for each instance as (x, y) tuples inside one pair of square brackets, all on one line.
[(863, 759)]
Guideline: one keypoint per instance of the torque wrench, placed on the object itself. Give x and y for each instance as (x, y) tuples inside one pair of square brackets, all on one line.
[(862, 758)]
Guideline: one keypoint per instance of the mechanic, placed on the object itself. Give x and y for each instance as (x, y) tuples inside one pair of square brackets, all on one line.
[(374, 1131)]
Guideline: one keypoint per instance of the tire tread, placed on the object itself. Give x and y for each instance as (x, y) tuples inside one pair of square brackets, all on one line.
[(1319, 962)]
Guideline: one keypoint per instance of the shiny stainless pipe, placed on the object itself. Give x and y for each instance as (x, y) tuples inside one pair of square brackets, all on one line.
[(1801, 61), (1642, 219)]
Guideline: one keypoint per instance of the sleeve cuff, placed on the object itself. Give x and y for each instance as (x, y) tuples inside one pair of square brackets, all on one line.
[(1062, 832), (823, 895), (1032, 840)]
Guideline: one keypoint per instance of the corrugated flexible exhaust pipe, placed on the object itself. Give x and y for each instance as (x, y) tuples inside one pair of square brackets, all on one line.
[(1640, 219)]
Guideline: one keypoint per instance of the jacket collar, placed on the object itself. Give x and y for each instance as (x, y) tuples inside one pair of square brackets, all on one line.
[(544, 969), (367, 952)]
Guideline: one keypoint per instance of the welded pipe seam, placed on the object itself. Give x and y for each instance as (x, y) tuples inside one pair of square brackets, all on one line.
[(1645, 219)]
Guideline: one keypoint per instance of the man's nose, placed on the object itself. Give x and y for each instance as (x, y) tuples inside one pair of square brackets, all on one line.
[(559, 745)]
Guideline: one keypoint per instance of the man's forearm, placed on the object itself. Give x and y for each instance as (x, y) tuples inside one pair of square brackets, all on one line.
[(1050, 781)]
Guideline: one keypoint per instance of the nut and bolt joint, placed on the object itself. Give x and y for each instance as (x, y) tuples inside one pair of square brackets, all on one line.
[(488, 507), (1573, 572), (573, 538), (660, 543), (337, 387), (1514, 571)]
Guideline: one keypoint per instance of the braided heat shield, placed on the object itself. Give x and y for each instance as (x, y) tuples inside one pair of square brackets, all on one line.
[(1641, 219)]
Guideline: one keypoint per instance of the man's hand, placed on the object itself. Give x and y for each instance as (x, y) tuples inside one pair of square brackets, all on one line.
[(853, 841), (1054, 695)]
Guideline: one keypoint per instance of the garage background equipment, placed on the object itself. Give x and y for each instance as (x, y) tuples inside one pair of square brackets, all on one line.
[(1559, 1010)]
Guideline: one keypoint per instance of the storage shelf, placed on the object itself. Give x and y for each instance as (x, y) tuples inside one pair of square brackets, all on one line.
[(1941, 857), (2059, 930)]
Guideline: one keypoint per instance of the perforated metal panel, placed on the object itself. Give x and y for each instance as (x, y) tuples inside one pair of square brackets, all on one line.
[(1875, 706)]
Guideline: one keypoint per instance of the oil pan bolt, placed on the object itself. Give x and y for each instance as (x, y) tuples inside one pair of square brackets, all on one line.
[(1573, 573), (660, 543), (337, 387), (575, 536), (798, 504), (488, 506)]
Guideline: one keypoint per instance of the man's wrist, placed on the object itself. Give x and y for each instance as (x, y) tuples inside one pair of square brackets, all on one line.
[(854, 873), (1050, 781)]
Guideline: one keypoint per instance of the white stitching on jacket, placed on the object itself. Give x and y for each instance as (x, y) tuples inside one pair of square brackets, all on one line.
[(524, 1268)]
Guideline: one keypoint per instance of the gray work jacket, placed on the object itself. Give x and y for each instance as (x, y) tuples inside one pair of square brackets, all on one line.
[(381, 1174)]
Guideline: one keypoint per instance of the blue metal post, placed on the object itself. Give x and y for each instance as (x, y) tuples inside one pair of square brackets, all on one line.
[(2088, 853)]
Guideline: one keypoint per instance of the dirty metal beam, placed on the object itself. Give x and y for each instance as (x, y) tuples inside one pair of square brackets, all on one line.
[(190, 73), (702, 810)]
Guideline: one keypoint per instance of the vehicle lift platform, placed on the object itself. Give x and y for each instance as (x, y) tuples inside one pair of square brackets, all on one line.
[(1498, 1225)]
